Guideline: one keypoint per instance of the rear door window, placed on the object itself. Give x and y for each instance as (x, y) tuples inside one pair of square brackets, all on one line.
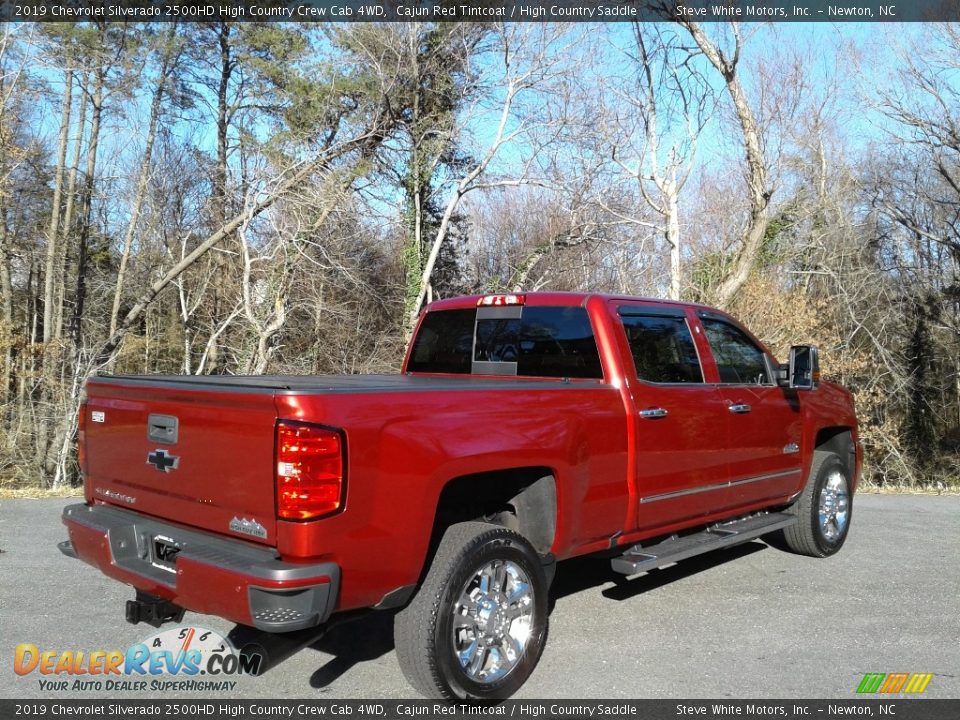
[(662, 348)]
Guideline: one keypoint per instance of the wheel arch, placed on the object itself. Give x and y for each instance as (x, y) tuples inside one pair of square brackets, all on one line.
[(523, 499), (838, 439)]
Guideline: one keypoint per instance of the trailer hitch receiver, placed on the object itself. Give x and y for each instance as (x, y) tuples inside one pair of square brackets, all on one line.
[(152, 610)]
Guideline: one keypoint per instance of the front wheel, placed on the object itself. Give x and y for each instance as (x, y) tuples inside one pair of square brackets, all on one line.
[(823, 509), (478, 624)]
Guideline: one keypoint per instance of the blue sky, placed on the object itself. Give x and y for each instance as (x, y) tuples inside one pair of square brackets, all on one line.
[(851, 58), (842, 65)]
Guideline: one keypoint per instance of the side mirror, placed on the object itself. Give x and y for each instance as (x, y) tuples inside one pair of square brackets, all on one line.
[(802, 372)]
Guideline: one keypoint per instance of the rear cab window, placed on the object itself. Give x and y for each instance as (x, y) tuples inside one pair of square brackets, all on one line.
[(527, 341)]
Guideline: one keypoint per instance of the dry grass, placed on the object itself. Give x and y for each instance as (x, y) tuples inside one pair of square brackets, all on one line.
[(870, 489), (865, 488), (39, 493)]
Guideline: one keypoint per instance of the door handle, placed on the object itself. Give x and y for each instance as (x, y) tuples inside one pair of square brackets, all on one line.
[(653, 413), (739, 408)]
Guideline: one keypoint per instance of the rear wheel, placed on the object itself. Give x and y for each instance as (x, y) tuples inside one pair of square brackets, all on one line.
[(823, 509), (478, 624)]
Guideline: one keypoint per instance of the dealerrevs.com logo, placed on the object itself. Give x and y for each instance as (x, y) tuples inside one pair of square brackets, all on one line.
[(172, 660)]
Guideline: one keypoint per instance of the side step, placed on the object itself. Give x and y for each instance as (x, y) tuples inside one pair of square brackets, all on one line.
[(640, 559)]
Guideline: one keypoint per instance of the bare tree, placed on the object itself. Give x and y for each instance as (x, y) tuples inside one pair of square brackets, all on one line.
[(263, 299), (169, 51), (12, 155), (759, 191), (528, 58), (53, 230), (672, 103), (915, 190)]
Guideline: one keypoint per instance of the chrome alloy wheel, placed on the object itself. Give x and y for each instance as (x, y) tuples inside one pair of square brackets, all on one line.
[(492, 621), (834, 508)]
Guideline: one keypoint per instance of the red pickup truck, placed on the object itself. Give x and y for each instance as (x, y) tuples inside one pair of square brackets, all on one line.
[(522, 430)]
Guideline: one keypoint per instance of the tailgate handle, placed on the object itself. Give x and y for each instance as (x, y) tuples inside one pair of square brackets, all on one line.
[(162, 428)]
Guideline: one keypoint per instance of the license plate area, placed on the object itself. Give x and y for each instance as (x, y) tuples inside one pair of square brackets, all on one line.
[(163, 553)]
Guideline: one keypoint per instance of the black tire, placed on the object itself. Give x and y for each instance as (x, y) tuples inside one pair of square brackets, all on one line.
[(810, 536), (425, 634)]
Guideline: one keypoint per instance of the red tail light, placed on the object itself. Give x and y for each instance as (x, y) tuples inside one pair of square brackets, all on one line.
[(309, 471), (82, 438)]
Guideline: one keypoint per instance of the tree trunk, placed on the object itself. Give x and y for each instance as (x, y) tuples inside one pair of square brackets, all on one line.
[(220, 171), (50, 451), (184, 318), (52, 231), (220, 181), (672, 235), (413, 249), (80, 293), (758, 191), (6, 302), (67, 224), (521, 276), (53, 356)]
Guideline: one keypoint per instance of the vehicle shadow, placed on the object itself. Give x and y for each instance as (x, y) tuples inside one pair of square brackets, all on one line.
[(370, 636), (581, 574), (367, 638)]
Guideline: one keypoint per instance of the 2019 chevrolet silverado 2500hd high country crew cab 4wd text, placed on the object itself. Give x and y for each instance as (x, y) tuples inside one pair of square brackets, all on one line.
[(522, 430)]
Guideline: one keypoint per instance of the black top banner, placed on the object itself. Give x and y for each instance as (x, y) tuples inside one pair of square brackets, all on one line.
[(897, 708), (478, 10)]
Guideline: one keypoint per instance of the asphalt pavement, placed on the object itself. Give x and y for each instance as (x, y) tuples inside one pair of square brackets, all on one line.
[(750, 622)]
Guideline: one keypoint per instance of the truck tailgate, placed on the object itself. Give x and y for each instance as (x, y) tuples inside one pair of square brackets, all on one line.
[(198, 454)]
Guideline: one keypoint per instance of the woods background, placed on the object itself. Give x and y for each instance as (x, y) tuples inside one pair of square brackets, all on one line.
[(216, 198)]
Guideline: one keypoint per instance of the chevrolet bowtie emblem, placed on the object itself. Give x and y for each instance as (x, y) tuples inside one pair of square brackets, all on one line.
[(162, 462)]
